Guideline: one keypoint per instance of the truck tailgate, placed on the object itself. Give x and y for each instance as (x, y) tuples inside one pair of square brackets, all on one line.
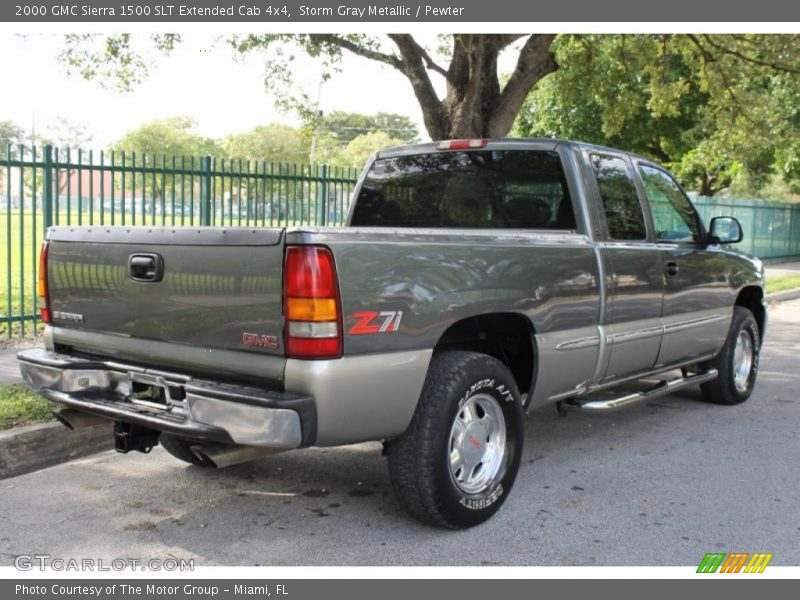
[(211, 288)]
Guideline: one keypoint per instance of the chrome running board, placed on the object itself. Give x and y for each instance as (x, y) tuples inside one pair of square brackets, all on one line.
[(660, 389)]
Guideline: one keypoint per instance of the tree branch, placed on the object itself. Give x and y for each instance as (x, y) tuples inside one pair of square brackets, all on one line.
[(748, 59), (354, 48), (412, 63), (503, 40), (708, 58), (429, 62), (413, 67), (534, 62)]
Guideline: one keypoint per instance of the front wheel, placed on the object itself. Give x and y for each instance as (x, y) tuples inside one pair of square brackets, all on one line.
[(737, 362), (455, 464)]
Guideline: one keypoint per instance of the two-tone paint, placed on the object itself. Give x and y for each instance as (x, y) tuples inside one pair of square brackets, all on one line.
[(598, 311)]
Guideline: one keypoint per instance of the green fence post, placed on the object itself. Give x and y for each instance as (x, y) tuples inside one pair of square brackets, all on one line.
[(47, 200), (322, 191), (205, 191)]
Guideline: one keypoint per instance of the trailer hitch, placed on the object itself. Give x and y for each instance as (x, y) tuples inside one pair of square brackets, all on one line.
[(128, 437)]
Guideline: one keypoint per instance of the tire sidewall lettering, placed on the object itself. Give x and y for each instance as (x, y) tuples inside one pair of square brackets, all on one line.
[(505, 397), (481, 503), (475, 388)]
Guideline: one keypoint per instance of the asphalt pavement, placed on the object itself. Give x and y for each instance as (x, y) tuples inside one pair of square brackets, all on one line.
[(661, 483)]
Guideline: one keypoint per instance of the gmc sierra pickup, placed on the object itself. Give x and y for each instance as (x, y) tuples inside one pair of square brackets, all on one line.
[(475, 280)]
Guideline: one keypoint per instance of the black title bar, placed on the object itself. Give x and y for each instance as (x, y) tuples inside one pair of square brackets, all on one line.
[(365, 11)]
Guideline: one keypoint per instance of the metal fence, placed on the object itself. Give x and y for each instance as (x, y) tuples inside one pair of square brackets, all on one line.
[(40, 187), (771, 229)]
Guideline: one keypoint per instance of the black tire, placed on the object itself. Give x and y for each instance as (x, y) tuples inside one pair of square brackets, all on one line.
[(459, 384), (724, 389), (179, 448)]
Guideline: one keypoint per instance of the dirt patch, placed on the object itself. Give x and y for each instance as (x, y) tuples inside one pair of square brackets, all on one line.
[(20, 343)]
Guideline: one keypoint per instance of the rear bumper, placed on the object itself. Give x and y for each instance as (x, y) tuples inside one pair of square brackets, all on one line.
[(186, 406)]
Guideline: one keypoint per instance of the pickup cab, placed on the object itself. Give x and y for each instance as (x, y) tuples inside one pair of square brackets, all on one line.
[(475, 281)]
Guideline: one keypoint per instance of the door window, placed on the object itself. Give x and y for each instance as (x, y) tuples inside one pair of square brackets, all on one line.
[(674, 217)]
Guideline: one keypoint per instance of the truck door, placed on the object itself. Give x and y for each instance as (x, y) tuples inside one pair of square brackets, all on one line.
[(696, 310), (633, 271)]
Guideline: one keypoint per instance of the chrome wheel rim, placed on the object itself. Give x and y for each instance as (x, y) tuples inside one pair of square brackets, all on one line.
[(742, 361), (477, 443)]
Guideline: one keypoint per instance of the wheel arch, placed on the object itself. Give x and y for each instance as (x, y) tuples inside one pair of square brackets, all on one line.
[(752, 298), (507, 336)]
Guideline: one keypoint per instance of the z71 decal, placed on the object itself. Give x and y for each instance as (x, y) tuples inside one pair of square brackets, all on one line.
[(371, 322)]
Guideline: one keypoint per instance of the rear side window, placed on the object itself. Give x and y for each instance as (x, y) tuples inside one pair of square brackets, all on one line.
[(623, 211), (511, 189)]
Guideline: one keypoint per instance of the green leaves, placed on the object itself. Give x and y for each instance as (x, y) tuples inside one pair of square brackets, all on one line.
[(113, 60), (270, 143), (720, 110), (345, 126), (172, 136)]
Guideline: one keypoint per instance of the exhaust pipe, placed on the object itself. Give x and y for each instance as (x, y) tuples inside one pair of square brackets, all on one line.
[(74, 419), (223, 455)]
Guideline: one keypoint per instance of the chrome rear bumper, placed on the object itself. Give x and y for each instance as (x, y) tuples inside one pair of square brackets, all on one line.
[(172, 402)]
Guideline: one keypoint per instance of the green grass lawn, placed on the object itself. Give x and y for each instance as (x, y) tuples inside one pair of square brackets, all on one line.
[(19, 405), (19, 258), (781, 283)]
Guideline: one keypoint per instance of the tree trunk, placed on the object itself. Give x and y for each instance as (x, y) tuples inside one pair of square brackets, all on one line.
[(475, 105), (711, 184)]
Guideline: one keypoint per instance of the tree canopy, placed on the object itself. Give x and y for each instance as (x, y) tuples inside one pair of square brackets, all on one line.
[(172, 136), (346, 126), (270, 143), (331, 151), (10, 133), (715, 109), (65, 133)]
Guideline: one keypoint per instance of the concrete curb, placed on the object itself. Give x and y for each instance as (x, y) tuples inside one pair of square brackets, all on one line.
[(784, 295), (34, 447)]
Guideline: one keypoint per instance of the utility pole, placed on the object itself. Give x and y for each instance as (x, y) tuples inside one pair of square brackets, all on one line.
[(312, 156)]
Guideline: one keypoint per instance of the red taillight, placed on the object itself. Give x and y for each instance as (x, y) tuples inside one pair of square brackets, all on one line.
[(311, 303), (42, 288), (462, 144)]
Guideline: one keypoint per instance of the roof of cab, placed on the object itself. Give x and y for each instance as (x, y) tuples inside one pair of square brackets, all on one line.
[(541, 144)]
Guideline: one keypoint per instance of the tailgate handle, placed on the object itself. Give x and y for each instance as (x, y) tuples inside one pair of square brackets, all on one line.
[(147, 268)]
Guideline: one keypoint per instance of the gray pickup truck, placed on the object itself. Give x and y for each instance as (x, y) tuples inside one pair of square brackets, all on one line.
[(476, 280)]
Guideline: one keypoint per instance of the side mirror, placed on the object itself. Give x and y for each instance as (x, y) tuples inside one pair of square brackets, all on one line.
[(725, 230)]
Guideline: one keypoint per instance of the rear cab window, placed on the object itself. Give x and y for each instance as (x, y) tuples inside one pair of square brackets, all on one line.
[(621, 205), (511, 189)]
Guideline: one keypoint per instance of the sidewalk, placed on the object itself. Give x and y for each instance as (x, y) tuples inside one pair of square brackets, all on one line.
[(782, 268), (9, 371)]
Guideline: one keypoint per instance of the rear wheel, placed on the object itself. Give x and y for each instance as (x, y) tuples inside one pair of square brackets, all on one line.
[(180, 448), (455, 464), (737, 362)]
